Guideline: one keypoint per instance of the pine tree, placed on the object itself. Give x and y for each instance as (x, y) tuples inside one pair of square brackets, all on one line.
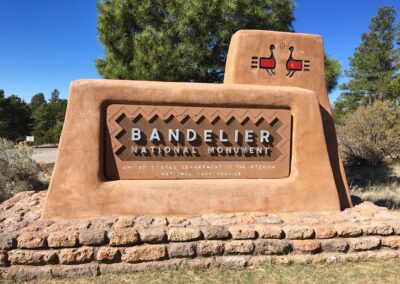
[(374, 65), (15, 117), (179, 40), (37, 100), (42, 123), (184, 40), (48, 117), (332, 72)]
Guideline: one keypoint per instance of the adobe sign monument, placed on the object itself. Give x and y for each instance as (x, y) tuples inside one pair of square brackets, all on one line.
[(136, 147)]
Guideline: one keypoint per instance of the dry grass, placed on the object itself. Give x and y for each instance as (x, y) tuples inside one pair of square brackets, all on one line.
[(354, 272), (382, 195), (380, 185)]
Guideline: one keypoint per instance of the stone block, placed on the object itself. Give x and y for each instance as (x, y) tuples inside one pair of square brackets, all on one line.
[(242, 232), (179, 234), (81, 270), (210, 248), (160, 221), (298, 232), (298, 259), (31, 240), (335, 245), (123, 237), (108, 254), (366, 243), (143, 221), (396, 227), (270, 247), (234, 261), (386, 254), (270, 219), (102, 223), (124, 222), (333, 259), (119, 267), (269, 231), (392, 242), (28, 273), (348, 230), (8, 241), (324, 232), (220, 219), (198, 263), (38, 225), (92, 237), (306, 246), (144, 253), (178, 221), (3, 258), (69, 226), (245, 219), (62, 239), (259, 260), (239, 247), (215, 233), (153, 235), (32, 257), (378, 229), (176, 250), (352, 256), (76, 255)]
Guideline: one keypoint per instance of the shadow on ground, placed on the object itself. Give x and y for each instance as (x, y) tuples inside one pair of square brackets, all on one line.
[(380, 185), (363, 176), (383, 202)]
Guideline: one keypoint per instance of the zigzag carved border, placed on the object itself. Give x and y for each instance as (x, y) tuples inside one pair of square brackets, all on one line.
[(115, 112)]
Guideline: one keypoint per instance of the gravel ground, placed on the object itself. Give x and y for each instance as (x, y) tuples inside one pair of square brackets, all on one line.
[(46, 155)]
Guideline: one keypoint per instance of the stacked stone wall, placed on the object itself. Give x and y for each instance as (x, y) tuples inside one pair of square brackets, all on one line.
[(31, 248)]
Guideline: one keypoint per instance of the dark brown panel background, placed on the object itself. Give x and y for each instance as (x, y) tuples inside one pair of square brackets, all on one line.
[(196, 162)]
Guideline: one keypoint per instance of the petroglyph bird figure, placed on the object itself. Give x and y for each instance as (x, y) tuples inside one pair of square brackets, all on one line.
[(293, 65), (269, 63)]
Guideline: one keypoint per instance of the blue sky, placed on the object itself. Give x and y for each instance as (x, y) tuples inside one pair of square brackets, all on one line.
[(45, 44)]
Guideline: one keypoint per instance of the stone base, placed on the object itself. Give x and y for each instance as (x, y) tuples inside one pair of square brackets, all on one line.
[(33, 248)]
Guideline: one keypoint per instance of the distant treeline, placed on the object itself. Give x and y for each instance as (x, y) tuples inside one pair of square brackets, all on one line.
[(40, 118)]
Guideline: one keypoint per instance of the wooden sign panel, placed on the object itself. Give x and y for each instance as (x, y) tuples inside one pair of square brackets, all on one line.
[(175, 142)]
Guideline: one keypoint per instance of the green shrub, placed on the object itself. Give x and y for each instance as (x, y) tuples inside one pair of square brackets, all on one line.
[(371, 134), (18, 172)]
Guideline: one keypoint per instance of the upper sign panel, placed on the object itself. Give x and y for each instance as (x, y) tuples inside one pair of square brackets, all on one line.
[(277, 58), (176, 142)]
